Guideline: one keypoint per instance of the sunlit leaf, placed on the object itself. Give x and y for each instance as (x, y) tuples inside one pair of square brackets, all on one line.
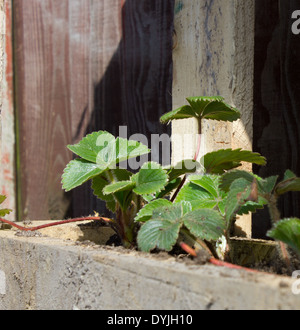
[(106, 150), (150, 179), (226, 159), (203, 107), (77, 172)]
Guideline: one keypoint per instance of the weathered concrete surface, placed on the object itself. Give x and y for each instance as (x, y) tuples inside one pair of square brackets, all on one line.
[(80, 231), (48, 273)]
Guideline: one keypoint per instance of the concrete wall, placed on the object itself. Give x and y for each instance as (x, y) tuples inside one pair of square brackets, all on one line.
[(214, 55), (48, 273)]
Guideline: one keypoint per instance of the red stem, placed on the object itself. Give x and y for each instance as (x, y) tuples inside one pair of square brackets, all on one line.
[(215, 261), (220, 263), (198, 148), (54, 223)]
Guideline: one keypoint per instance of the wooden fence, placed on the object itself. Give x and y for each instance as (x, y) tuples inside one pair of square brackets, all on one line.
[(81, 66)]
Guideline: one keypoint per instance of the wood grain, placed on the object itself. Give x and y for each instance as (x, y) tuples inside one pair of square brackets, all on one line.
[(277, 98), (84, 65), (7, 131)]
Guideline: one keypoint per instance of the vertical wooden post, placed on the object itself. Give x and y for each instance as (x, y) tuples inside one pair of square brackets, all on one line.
[(7, 133), (214, 55)]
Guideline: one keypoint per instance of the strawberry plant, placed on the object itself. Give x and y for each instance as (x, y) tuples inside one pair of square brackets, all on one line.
[(200, 212), (156, 198)]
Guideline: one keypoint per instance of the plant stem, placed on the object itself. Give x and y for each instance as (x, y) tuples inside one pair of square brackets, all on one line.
[(178, 188), (195, 159), (273, 209), (215, 261), (199, 139), (220, 263), (275, 217), (199, 244)]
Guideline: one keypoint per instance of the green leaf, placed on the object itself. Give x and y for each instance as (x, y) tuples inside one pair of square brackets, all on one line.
[(4, 212), (292, 184), (205, 224), (169, 188), (266, 186), (98, 184), (77, 172), (195, 195), (158, 234), (203, 107), (2, 198), (118, 187), (151, 179), (288, 175), (107, 151), (90, 146), (127, 149), (239, 192), (287, 231), (202, 192), (146, 212), (213, 108), (228, 178), (208, 182), (252, 207), (162, 230), (262, 185), (226, 159), (183, 112), (105, 179), (183, 167)]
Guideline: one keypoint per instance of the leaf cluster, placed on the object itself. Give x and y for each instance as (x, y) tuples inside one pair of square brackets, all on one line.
[(3, 212), (195, 200)]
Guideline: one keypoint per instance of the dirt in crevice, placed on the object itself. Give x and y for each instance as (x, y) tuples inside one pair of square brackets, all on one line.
[(278, 265)]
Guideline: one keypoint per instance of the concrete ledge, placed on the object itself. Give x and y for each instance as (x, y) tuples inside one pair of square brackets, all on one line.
[(49, 273)]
